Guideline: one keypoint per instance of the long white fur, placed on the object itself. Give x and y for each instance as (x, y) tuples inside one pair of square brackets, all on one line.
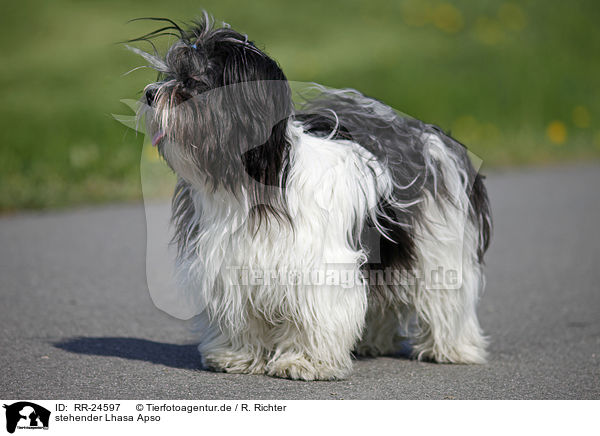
[(308, 331)]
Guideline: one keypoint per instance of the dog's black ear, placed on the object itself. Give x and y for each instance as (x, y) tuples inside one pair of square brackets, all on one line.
[(253, 105), (258, 112), (238, 130), (257, 93)]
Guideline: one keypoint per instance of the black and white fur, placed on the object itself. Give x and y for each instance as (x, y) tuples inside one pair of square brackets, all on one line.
[(264, 186)]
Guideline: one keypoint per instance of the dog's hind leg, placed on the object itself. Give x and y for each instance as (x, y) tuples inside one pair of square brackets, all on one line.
[(382, 335), (446, 292)]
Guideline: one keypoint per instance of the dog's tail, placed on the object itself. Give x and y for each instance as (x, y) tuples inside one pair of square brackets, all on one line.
[(480, 205)]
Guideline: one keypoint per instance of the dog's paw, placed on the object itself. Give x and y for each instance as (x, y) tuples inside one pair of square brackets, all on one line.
[(302, 368), (368, 350), (464, 354), (234, 363)]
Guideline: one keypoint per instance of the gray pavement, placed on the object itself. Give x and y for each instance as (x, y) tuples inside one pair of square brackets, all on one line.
[(77, 322)]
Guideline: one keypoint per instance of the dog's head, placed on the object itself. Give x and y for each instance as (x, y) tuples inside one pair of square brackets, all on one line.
[(218, 111)]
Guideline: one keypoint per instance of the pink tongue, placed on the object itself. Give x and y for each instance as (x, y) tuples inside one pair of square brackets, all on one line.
[(157, 137)]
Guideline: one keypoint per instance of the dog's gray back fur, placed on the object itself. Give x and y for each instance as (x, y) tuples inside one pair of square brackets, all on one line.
[(397, 141)]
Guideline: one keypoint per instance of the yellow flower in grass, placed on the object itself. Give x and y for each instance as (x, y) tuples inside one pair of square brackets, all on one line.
[(557, 132), (448, 18)]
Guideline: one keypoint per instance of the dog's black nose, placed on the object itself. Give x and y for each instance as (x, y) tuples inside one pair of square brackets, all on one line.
[(150, 95)]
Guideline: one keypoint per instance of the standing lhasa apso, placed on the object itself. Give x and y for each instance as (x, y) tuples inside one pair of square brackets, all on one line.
[(312, 231)]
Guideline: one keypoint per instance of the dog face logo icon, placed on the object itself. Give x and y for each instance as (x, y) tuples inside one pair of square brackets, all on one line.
[(26, 415)]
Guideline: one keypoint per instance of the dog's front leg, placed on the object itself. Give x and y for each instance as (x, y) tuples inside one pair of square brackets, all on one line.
[(316, 343), (225, 349)]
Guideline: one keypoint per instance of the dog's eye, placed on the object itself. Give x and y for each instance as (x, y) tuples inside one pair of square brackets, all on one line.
[(190, 83), (194, 83)]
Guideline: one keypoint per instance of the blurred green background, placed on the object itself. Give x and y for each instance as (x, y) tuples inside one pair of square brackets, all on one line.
[(516, 81)]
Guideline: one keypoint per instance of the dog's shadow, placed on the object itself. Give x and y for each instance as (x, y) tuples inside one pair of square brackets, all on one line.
[(172, 355)]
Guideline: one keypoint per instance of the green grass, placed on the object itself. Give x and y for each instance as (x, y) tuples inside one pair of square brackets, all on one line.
[(497, 74)]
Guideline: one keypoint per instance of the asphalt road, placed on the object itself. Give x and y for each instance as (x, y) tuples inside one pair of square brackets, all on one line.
[(77, 320)]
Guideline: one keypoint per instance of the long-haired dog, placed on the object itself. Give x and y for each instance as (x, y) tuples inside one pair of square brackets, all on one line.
[(312, 231)]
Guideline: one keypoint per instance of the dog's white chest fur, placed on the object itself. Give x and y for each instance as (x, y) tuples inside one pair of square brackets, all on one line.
[(331, 188)]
